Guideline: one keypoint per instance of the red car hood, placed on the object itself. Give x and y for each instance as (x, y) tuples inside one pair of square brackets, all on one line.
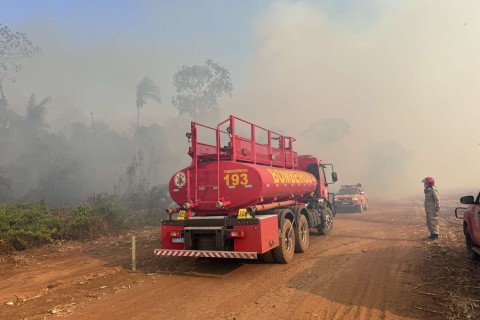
[(346, 196)]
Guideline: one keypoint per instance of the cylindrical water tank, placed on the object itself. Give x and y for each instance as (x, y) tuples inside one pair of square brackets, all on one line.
[(225, 187)]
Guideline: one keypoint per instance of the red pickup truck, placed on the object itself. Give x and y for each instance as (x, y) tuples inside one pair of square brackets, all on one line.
[(351, 197), (471, 224)]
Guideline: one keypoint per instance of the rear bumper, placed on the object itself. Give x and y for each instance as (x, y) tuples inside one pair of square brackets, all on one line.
[(205, 254), (254, 235)]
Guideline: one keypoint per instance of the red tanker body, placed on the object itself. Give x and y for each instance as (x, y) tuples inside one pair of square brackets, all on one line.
[(242, 185), (247, 194)]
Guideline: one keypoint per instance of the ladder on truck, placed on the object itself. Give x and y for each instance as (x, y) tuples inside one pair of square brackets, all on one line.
[(236, 140)]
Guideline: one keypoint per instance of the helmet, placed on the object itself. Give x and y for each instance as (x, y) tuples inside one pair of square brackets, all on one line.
[(429, 181)]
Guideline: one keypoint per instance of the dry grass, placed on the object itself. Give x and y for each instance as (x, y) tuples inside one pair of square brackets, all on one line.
[(453, 277), (23, 260)]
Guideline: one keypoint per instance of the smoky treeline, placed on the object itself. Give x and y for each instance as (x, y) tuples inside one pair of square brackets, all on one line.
[(65, 167), (87, 160)]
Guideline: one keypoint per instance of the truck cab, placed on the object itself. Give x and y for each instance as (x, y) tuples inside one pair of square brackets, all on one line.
[(471, 224), (314, 166)]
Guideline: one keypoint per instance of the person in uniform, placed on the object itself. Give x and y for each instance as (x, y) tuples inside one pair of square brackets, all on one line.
[(432, 207)]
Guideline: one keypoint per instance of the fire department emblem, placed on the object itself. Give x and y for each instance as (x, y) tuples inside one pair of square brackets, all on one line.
[(180, 179)]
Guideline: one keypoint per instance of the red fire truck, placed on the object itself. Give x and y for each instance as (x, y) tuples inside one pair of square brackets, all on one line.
[(247, 194)]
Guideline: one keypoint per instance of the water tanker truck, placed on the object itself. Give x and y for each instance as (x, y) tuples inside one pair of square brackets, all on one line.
[(247, 194)]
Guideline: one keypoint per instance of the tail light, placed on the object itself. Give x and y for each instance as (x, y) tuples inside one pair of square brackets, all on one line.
[(236, 234), (175, 234)]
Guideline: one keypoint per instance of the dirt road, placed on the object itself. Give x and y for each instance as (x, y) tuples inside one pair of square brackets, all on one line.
[(372, 266)]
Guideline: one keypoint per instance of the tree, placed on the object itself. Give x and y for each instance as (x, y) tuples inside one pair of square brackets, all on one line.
[(199, 88), (35, 114), (146, 89), (14, 47)]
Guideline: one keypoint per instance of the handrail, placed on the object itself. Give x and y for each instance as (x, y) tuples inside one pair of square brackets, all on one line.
[(284, 157), (218, 156)]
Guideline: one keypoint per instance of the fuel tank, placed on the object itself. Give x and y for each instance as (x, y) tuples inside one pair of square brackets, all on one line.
[(225, 187)]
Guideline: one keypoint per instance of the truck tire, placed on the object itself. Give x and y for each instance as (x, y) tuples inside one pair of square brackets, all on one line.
[(302, 235), (325, 227), (360, 208), (468, 241), (366, 207), (286, 249)]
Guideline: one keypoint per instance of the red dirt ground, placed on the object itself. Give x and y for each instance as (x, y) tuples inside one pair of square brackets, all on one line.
[(374, 265)]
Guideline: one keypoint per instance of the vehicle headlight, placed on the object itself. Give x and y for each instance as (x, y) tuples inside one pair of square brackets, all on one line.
[(355, 199)]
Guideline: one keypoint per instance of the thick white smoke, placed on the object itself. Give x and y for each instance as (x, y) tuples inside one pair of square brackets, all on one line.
[(404, 76)]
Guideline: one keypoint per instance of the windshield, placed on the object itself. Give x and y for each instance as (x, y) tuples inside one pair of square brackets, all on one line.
[(348, 191)]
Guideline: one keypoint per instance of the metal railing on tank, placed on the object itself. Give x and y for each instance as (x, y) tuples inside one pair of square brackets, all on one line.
[(238, 140), (254, 144)]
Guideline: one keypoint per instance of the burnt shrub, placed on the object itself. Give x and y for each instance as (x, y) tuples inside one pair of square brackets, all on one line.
[(157, 200)]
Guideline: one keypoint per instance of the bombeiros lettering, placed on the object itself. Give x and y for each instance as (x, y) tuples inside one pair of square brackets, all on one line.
[(289, 176)]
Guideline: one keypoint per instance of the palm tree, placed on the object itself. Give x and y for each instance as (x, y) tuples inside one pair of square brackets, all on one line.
[(146, 89)]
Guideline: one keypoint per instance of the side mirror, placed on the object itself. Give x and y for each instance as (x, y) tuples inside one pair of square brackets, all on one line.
[(467, 200), (334, 177)]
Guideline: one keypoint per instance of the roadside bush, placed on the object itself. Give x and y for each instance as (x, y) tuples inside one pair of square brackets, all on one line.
[(158, 200), (111, 209), (148, 206), (84, 223), (26, 225)]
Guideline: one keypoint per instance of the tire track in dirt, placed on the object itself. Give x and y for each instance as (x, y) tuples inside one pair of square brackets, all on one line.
[(346, 271), (371, 284), (366, 269)]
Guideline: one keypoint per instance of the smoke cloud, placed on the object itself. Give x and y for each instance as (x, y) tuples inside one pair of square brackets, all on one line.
[(387, 91), (403, 74), (327, 131)]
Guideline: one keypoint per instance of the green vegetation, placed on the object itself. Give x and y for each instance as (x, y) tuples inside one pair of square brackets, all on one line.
[(26, 225), (23, 225)]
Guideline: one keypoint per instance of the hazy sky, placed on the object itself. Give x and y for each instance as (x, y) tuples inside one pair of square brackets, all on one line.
[(403, 74)]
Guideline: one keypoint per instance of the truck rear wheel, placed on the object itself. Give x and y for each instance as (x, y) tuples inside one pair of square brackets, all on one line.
[(325, 227), (302, 235), (286, 249), (471, 254)]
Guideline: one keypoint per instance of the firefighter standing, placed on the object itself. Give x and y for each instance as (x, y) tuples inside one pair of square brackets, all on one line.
[(432, 207)]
